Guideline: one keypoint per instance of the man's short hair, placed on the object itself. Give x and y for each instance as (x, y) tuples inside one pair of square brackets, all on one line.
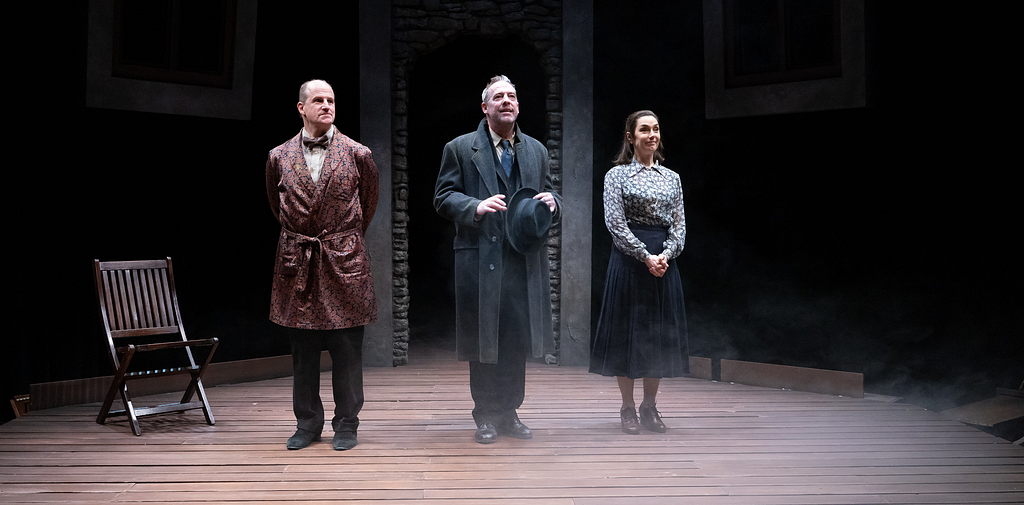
[(494, 80), (304, 89)]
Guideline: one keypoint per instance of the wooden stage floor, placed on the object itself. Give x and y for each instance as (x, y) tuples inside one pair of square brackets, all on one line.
[(726, 444)]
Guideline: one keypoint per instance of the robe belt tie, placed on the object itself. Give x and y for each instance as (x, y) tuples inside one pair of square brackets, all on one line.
[(307, 245)]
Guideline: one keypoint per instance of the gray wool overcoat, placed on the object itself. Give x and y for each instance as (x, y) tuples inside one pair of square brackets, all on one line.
[(468, 175)]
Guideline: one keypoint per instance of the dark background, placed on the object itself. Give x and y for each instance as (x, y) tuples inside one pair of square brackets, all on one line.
[(91, 183), (875, 240)]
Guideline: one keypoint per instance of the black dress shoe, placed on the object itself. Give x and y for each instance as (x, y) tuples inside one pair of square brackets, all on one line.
[(513, 427), (630, 423), (486, 433), (650, 418), (344, 440), (302, 439)]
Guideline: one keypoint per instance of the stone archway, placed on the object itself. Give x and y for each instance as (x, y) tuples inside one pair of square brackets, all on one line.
[(444, 88), (422, 26)]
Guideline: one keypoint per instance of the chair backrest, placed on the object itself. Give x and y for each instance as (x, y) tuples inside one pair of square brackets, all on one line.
[(137, 298)]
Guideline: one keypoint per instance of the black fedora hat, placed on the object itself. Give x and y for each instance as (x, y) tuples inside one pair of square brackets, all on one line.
[(527, 221)]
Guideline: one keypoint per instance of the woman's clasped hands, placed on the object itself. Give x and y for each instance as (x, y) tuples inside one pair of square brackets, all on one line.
[(657, 264)]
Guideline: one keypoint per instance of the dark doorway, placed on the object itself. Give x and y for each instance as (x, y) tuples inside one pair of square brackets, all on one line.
[(444, 102)]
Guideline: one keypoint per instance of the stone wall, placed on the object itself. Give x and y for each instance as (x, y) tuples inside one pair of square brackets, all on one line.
[(422, 26)]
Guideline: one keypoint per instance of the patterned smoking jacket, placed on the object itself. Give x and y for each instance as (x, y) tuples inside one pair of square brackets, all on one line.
[(322, 277)]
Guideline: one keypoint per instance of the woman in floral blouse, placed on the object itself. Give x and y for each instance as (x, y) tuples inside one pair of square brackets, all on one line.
[(641, 332)]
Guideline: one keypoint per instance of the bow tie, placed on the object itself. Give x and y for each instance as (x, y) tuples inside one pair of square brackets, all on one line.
[(321, 141)]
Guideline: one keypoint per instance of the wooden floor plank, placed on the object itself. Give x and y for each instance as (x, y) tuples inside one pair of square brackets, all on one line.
[(727, 444)]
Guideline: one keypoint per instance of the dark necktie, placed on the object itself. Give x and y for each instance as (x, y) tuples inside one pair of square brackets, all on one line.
[(506, 158), (316, 142)]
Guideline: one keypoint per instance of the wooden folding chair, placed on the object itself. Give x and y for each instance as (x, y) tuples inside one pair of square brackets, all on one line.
[(138, 303)]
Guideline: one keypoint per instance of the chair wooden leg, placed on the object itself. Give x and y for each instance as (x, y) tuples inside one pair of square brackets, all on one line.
[(190, 390), (201, 393), (116, 384), (107, 402), (129, 410), (197, 384)]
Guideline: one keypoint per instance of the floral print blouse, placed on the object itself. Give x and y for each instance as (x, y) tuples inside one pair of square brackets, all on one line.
[(651, 196)]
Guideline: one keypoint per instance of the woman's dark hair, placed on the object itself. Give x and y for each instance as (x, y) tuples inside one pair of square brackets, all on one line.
[(625, 155)]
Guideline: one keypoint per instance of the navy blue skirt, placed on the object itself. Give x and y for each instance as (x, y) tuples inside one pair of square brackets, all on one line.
[(641, 331)]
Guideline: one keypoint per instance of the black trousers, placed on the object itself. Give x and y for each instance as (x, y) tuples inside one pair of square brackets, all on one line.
[(498, 388), (346, 349)]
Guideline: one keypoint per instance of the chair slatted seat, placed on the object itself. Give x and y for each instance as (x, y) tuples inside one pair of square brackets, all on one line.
[(137, 301)]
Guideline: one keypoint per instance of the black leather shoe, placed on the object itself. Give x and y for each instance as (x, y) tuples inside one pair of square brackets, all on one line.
[(486, 433), (513, 427), (650, 418), (630, 423), (344, 440), (302, 439)]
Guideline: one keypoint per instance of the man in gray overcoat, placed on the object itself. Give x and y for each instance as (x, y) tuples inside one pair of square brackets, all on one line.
[(502, 300)]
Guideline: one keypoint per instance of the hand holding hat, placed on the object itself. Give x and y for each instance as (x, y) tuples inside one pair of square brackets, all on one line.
[(527, 221)]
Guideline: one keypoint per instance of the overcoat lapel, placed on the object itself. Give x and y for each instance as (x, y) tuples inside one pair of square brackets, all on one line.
[(483, 159), (527, 160)]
